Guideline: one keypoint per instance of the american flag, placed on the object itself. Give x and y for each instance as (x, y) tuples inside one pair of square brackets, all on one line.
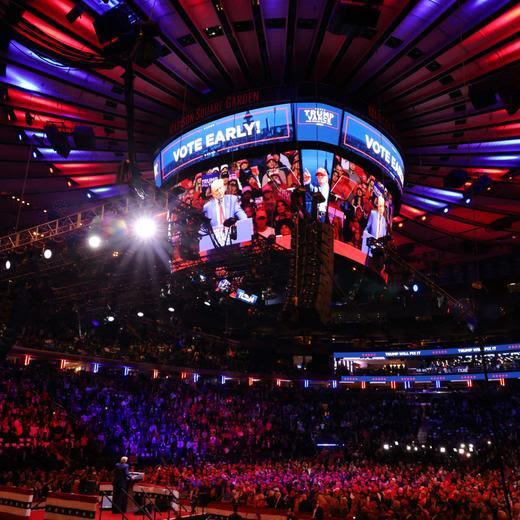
[(64, 506), (15, 503)]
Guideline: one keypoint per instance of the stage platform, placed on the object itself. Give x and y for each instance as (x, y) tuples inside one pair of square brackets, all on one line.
[(215, 509)]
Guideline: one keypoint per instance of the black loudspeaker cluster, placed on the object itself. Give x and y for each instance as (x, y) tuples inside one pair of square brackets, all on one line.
[(84, 137), (354, 19), (311, 273), (502, 88), (59, 138)]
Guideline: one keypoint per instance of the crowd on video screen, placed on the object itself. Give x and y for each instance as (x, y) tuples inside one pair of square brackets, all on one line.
[(260, 188)]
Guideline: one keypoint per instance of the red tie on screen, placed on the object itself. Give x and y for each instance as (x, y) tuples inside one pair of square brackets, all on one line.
[(221, 212)]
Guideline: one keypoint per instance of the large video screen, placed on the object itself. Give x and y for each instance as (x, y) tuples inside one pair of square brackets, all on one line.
[(254, 127), (362, 138), (256, 191)]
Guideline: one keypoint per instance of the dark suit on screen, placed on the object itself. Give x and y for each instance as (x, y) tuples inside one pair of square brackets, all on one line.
[(376, 227), (230, 207)]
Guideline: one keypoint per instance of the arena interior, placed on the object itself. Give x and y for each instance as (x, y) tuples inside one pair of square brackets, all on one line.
[(259, 259)]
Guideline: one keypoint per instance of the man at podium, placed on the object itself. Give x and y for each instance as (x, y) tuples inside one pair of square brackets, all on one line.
[(222, 206), (121, 481)]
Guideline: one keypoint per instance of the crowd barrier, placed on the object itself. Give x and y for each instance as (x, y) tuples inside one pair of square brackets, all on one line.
[(158, 497), (15, 503), (219, 510), (66, 506)]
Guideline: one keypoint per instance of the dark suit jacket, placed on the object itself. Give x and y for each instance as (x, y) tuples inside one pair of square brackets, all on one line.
[(121, 476)]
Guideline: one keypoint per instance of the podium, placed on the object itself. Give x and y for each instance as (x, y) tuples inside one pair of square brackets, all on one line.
[(244, 233), (135, 478), (106, 490), (162, 498)]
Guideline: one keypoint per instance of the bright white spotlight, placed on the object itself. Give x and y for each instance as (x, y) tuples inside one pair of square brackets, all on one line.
[(8, 264), (171, 309), (415, 287), (140, 314), (47, 254), (94, 241), (145, 228), (110, 318)]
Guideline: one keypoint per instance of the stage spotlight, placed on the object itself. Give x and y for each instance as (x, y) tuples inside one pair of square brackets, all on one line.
[(468, 200), (7, 265), (47, 254), (37, 154), (89, 195), (110, 318), (145, 228), (208, 303), (140, 314), (415, 287), (171, 309), (446, 209), (94, 241), (22, 136)]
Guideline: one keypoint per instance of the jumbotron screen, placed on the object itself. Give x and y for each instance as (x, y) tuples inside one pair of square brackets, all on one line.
[(256, 191), (275, 126)]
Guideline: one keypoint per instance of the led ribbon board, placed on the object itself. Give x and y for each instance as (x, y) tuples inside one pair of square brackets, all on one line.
[(437, 352), (430, 378)]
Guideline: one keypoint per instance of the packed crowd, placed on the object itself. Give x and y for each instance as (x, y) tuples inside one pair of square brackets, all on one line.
[(259, 445), (163, 345), (452, 365), (361, 489)]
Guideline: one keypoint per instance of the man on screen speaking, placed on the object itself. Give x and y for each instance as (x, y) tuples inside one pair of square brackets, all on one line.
[(222, 207), (376, 225)]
